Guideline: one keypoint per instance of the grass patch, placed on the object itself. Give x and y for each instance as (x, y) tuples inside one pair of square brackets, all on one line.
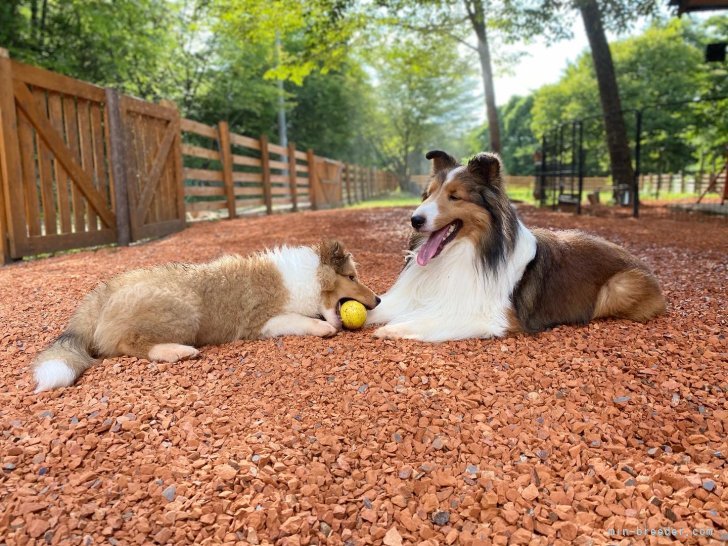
[(667, 196), (524, 195), (392, 199)]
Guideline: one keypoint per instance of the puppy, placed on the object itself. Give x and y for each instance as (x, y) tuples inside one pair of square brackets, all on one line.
[(163, 313)]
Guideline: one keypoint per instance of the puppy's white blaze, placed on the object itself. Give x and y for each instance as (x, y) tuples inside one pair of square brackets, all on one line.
[(452, 297), (430, 212), (299, 269), (53, 374)]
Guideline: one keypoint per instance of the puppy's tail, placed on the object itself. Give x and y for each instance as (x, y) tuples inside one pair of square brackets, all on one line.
[(64, 361)]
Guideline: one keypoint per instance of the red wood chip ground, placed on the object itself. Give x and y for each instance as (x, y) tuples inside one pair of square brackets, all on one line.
[(548, 439)]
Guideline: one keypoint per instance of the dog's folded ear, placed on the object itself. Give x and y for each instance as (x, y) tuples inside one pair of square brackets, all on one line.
[(441, 160), (333, 253), (487, 167)]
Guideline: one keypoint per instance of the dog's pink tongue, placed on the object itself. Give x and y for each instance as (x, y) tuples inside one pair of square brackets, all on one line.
[(429, 249)]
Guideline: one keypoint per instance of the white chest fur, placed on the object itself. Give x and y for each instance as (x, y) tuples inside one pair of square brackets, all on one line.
[(299, 268), (452, 297)]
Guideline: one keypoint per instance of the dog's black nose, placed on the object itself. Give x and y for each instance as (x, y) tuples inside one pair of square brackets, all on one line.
[(379, 300), (418, 221)]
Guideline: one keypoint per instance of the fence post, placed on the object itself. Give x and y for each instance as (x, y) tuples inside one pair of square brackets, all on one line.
[(312, 179), (355, 174), (340, 180), (265, 167), (347, 169), (9, 155), (292, 175), (359, 183), (226, 156), (117, 157)]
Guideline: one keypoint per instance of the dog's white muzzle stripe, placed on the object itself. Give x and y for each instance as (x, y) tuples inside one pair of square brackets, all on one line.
[(430, 212)]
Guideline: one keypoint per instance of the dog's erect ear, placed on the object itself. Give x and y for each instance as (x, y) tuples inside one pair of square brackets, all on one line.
[(487, 168), (441, 160), (333, 253)]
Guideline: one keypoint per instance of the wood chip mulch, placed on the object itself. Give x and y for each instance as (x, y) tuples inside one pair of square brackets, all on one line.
[(550, 439)]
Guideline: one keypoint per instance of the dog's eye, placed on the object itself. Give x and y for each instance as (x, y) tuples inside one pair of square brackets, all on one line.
[(454, 197), (352, 277)]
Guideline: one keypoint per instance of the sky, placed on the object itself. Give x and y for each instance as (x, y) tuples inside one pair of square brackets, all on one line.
[(544, 64), (540, 65)]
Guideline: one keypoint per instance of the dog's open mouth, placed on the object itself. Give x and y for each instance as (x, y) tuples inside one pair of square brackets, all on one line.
[(437, 242)]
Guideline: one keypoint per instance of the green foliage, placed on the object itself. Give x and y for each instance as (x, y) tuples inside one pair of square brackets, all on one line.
[(661, 66), (554, 19), (376, 83), (425, 101), (216, 58), (125, 43), (345, 98), (322, 28), (519, 142)]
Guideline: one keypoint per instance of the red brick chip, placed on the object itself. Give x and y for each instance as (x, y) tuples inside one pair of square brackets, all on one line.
[(573, 436)]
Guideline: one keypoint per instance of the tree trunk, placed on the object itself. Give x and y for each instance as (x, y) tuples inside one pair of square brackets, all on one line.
[(617, 142), (477, 18)]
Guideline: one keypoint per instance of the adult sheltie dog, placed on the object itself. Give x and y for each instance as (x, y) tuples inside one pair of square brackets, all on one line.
[(474, 270), (164, 313)]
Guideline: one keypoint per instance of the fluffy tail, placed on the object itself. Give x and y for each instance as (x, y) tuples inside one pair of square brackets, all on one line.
[(64, 361)]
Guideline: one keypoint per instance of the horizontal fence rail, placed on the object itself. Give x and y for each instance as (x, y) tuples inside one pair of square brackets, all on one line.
[(82, 166)]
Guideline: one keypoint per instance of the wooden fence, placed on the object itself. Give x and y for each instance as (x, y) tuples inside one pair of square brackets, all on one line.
[(649, 182), (82, 166)]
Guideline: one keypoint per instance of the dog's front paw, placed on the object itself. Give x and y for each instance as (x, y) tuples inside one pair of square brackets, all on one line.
[(397, 331), (323, 329)]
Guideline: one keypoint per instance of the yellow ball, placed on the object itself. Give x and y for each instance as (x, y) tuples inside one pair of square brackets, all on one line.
[(353, 314)]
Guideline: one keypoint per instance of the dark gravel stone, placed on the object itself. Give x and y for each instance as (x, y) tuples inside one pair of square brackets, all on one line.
[(441, 518)]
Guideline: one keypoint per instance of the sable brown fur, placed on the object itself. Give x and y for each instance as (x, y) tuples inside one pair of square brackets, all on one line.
[(189, 304), (576, 277), (488, 218)]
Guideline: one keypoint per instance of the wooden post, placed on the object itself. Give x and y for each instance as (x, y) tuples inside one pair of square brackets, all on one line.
[(355, 182), (699, 179), (312, 179), (292, 167), (347, 169), (12, 222), (117, 156), (340, 183), (226, 157), (359, 184), (179, 176), (265, 166)]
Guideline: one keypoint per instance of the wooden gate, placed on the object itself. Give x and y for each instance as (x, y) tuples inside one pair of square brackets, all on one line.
[(327, 186), (57, 189), (154, 168), (80, 166)]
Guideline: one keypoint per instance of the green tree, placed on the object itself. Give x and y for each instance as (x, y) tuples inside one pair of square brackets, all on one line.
[(331, 113), (660, 66), (424, 99), (597, 18), (519, 143), (129, 44)]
